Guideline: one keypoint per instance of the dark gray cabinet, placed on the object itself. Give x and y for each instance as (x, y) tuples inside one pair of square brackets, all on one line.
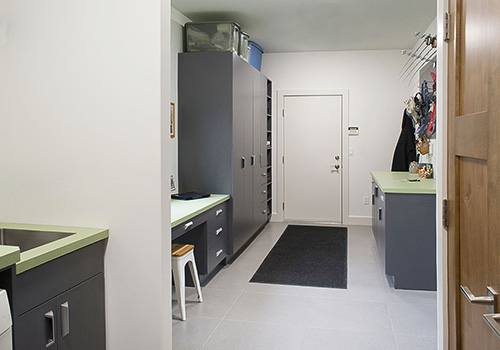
[(209, 234), (60, 305), (73, 320), (404, 226), (222, 145)]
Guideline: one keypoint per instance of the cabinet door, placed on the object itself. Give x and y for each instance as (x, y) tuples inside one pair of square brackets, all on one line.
[(81, 322), (37, 329), (242, 154)]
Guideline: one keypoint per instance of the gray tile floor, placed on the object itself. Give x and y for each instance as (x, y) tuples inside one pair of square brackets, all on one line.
[(238, 315)]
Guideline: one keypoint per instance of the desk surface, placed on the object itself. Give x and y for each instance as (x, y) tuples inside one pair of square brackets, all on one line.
[(397, 182), (184, 210)]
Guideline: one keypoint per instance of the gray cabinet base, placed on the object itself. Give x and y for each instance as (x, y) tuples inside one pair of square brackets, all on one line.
[(405, 234)]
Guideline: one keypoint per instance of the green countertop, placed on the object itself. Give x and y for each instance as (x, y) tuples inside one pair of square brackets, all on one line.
[(397, 182), (184, 210), (29, 259), (9, 255)]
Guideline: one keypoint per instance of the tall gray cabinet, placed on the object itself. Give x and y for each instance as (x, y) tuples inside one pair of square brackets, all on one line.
[(223, 133)]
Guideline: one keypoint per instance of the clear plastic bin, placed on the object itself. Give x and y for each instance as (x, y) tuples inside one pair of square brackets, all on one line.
[(212, 36), (244, 49)]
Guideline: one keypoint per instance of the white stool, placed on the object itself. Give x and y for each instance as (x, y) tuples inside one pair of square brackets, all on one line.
[(182, 254)]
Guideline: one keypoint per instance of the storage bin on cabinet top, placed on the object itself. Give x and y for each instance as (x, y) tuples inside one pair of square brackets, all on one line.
[(212, 36)]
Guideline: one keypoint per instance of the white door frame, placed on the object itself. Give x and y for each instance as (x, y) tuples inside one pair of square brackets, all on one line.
[(279, 173)]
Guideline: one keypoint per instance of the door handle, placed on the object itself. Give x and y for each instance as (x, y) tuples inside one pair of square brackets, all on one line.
[(491, 320), (51, 341), (65, 318), (491, 300)]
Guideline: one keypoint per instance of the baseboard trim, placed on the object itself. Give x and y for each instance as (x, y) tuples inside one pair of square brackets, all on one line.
[(359, 220)]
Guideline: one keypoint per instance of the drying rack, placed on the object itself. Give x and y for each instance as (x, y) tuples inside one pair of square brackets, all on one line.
[(424, 53)]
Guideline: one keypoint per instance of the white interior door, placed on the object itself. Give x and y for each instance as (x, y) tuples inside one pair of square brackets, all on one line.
[(312, 158)]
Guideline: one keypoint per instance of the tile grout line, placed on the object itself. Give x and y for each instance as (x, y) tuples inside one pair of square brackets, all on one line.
[(222, 319)]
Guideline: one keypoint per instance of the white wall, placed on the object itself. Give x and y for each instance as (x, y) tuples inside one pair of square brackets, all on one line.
[(81, 139), (375, 106)]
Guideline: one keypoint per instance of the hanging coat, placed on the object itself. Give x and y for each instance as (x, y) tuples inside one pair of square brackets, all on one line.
[(405, 151)]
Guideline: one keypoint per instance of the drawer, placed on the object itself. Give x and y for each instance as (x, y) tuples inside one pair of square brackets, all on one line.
[(263, 193), (217, 215), (216, 254), (264, 176), (216, 233), (188, 225)]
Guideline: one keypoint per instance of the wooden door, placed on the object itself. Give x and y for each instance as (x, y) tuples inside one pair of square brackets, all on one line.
[(473, 168), (313, 163)]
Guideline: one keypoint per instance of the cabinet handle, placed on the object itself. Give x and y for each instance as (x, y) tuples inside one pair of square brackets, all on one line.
[(243, 162), (218, 212), (261, 156), (252, 160), (218, 231), (376, 191), (188, 225), (264, 192), (373, 199), (264, 174), (65, 318), (51, 341), (264, 211), (380, 214), (219, 252)]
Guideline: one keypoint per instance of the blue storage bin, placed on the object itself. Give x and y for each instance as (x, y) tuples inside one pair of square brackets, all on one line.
[(255, 55)]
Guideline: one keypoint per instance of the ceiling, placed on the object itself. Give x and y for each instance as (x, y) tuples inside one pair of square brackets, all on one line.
[(319, 25)]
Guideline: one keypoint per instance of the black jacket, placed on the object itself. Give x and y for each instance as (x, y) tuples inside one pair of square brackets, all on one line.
[(405, 151)]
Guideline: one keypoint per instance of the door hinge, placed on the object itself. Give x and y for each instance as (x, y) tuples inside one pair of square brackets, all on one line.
[(446, 26), (445, 214), (283, 112)]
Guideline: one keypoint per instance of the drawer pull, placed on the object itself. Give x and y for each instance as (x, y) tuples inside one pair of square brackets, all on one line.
[(65, 318), (188, 225), (264, 211), (51, 341), (218, 212), (264, 174), (219, 252), (264, 192), (218, 231)]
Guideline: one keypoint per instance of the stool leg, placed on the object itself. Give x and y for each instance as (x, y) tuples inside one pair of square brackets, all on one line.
[(194, 274), (180, 287)]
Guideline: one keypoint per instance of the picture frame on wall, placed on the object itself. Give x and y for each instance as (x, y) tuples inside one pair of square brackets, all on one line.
[(172, 120)]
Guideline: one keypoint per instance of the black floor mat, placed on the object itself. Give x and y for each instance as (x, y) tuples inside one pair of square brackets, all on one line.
[(314, 256)]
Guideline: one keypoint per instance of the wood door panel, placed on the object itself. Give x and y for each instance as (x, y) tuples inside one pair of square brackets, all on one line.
[(473, 73), (473, 199), (473, 168), (473, 226)]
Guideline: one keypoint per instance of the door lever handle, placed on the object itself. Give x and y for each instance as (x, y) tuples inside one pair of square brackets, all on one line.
[(491, 320), (491, 300)]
